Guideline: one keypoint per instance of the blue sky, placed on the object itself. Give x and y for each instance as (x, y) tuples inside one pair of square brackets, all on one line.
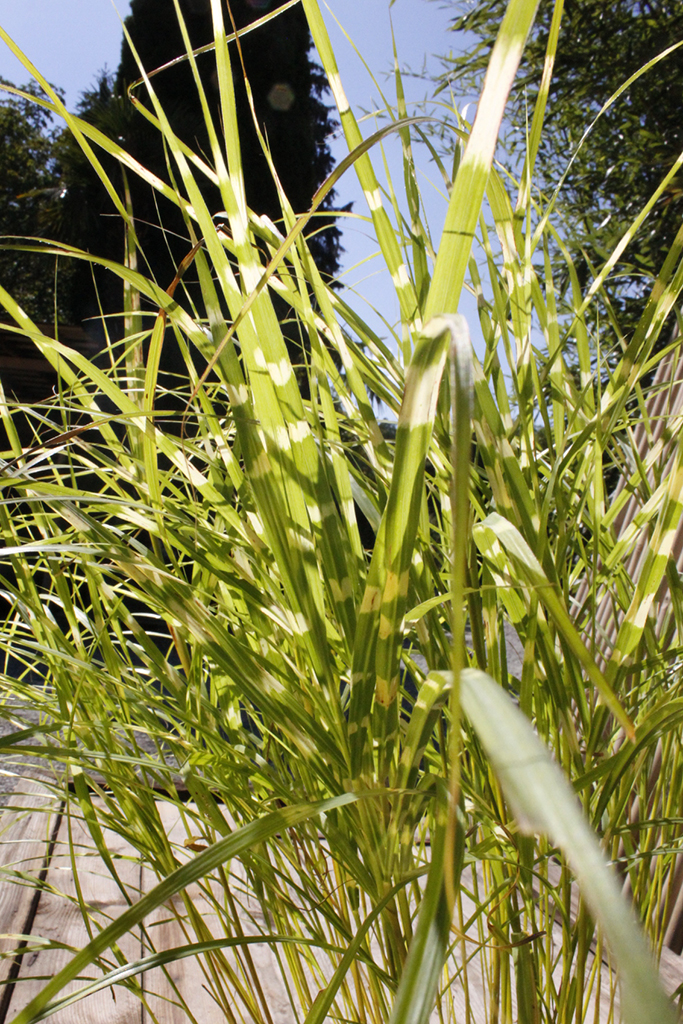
[(71, 40)]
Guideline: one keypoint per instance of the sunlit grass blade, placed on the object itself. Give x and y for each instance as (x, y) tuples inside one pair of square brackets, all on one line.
[(470, 184), (542, 801), (410, 309), (375, 665), (494, 531)]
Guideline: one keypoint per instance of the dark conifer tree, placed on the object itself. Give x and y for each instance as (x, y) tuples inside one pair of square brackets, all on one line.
[(287, 87)]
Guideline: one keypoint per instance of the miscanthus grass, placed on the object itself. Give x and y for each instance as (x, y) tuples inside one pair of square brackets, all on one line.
[(426, 822)]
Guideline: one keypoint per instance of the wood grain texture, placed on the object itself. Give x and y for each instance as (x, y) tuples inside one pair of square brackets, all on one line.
[(26, 827), (185, 992), (59, 919), (181, 993), (247, 983)]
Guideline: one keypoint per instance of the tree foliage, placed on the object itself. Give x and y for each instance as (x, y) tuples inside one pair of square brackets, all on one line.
[(68, 202), (632, 145), (285, 83), (27, 175)]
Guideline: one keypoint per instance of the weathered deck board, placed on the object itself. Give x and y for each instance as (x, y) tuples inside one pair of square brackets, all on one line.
[(59, 919), (254, 976), (182, 994), (178, 995), (26, 829)]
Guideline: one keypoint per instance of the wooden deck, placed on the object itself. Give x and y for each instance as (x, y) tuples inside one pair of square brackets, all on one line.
[(43, 892), (35, 840)]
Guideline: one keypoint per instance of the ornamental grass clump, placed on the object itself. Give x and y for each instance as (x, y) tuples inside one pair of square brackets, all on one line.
[(336, 714)]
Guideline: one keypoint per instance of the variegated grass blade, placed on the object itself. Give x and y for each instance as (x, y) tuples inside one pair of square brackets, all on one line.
[(255, 603)]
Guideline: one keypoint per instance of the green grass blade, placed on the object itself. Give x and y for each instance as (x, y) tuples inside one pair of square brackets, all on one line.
[(470, 184), (376, 652), (422, 970), (543, 802), (496, 531), (651, 575)]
